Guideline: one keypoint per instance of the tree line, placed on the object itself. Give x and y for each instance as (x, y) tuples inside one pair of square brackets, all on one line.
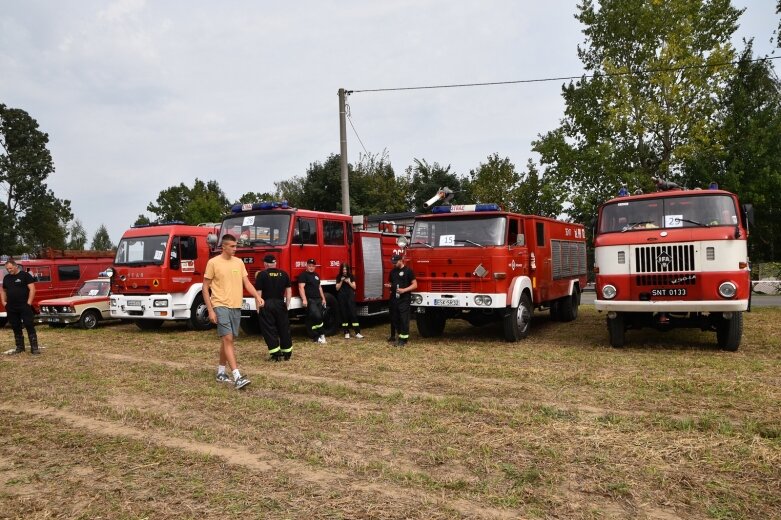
[(665, 94)]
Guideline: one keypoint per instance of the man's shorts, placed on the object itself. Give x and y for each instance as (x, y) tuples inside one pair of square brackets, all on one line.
[(228, 321)]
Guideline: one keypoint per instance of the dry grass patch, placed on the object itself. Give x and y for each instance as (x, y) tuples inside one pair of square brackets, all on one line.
[(459, 426)]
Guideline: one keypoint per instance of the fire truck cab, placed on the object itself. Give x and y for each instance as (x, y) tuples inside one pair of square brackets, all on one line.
[(482, 264), (158, 274), (672, 259), (59, 273), (295, 235)]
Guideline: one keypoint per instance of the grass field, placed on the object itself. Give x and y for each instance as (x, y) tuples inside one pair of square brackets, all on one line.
[(119, 423)]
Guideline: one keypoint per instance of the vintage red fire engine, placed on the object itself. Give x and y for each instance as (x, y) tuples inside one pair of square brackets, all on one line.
[(482, 264), (675, 258), (158, 274), (296, 235)]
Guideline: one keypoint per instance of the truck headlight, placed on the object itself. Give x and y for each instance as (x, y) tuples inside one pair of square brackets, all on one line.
[(417, 299), (609, 292), (728, 290), (479, 299), (160, 303)]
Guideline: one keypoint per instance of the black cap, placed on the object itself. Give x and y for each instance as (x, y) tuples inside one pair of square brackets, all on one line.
[(396, 258), (311, 261), (269, 259)]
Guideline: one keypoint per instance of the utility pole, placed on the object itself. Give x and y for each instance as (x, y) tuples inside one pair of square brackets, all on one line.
[(343, 151)]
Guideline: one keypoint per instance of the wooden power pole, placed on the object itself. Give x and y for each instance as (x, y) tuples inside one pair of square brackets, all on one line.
[(343, 151)]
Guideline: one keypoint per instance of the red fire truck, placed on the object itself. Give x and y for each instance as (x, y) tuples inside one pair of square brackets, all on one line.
[(675, 258), (158, 274), (59, 273), (482, 264), (296, 235)]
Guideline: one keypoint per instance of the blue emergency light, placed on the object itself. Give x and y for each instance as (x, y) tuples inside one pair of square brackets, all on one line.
[(463, 208), (713, 185), (238, 208)]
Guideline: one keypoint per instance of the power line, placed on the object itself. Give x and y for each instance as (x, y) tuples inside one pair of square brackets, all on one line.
[(350, 119), (562, 78)]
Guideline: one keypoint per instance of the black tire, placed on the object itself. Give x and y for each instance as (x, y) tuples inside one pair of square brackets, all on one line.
[(149, 324), (729, 332), (616, 329), (89, 319), (431, 324), (518, 321), (251, 324), (331, 315), (199, 315), (568, 306), (555, 310)]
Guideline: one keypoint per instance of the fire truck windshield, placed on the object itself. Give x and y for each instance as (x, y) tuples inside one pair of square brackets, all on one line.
[(141, 250), (258, 229), (459, 232), (668, 212)]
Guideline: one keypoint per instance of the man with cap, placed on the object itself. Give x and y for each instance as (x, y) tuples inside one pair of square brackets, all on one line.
[(313, 299), (273, 286), (402, 282)]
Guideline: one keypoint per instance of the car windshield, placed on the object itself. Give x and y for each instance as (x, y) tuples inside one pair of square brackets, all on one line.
[(670, 212), (459, 232), (141, 250), (259, 229), (94, 288)]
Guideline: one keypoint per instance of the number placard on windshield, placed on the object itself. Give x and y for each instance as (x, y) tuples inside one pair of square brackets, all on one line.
[(447, 240), (248, 221), (673, 221)]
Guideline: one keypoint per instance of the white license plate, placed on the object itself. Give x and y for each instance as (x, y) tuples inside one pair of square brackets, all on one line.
[(134, 303), (446, 302), (245, 306), (669, 292)]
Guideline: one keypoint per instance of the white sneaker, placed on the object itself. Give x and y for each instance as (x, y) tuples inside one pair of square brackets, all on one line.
[(359, 336), (347, 336), (321, 339)]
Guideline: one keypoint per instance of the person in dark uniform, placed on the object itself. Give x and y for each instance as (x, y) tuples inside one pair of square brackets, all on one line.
[(17, 295), (402, 282), (273, 286), (313, 300), (345, 295)]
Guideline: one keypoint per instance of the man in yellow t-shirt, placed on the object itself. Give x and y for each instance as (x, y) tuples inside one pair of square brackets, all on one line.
[(223, 285)]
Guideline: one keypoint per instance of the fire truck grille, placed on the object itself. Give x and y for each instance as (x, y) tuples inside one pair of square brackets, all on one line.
[(656, 280), (450, 286), (664, 259)]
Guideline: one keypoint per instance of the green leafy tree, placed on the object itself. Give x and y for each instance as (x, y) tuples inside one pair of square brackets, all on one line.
[(203, 202), (375, 188), (538, 195), (33, 218), (142, 220), (77, 236), (254, 196), (101, 240), (496, 181), (659, 73), (425, 179)]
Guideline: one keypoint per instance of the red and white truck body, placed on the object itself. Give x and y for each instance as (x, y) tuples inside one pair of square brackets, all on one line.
[(482, 264), (157, 275), (295, 235), (673, 259)]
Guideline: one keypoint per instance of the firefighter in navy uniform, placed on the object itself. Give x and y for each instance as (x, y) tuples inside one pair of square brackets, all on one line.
[(313, 299), (17, 294), (273, 286), (402, 282)]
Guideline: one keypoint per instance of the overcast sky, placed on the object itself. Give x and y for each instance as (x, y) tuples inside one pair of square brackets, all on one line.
[(137, 96)]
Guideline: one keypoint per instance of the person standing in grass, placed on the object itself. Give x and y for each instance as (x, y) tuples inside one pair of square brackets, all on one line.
[(223, 281), (17, 294), (313, 300), (345, 295), (402, 281), (273, 286)]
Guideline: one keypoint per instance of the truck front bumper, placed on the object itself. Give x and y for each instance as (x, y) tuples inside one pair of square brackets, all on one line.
[(671, 306)]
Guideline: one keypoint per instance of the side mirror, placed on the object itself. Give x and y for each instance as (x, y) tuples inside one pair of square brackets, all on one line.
[(521, 240), (211, 239)]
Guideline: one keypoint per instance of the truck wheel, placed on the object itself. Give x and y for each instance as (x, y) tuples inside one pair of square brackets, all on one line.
[(616, 328), (331, 316), (199, 315), (518, 320), (568, 306), (729, 332), (431, 323), (149, 324), (89, 319), (251, 325)]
